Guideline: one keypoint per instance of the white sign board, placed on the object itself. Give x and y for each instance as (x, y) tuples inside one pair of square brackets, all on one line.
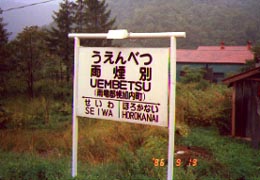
[(124, 84)]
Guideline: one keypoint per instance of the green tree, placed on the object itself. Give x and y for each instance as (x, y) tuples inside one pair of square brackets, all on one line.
[(58, 40), (29, 54), (3, 33), (195, 75), (192, 74), (256, 51), (79, 19), (93, 16), (252, 63), (4, 55)]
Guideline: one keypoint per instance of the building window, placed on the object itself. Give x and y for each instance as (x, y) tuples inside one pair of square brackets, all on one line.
[(218, 76)]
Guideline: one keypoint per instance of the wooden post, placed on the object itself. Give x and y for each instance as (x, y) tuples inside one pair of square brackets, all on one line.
[(233, 127)]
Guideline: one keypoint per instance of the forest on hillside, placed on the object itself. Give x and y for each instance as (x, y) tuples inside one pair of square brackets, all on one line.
[(206, 22)]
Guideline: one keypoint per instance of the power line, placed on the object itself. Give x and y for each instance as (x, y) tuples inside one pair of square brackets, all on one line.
[(25, 6)]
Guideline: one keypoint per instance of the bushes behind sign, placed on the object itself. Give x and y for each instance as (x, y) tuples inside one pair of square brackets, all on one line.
[(209, 106)]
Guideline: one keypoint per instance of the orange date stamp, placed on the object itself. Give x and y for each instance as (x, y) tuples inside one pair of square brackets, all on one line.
[(178, 162), (190, 162)]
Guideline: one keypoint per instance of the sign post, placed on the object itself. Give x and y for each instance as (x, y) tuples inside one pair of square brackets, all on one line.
[(74, 115), (171, 127), (125, 84)]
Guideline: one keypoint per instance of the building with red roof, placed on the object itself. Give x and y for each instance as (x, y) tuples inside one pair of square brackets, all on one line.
[(219, 61)]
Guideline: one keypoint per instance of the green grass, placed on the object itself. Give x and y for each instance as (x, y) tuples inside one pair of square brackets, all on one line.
[(27, 167), (31, 167), (228, 159), (40, 131), (231, 159), (38, 113)]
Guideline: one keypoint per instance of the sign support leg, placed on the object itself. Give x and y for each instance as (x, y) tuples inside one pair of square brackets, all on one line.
[(74, 116), (172, 108)]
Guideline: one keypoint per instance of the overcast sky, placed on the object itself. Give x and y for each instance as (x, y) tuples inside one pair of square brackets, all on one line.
[(18, 19)]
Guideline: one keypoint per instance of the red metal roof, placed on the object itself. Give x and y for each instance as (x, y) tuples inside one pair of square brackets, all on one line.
[(226, 48), (214, 54)]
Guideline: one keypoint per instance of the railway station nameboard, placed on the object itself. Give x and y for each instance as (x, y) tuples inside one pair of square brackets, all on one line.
[(124, 84)]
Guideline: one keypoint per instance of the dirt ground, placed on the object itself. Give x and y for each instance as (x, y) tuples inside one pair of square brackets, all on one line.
[(190, 156)]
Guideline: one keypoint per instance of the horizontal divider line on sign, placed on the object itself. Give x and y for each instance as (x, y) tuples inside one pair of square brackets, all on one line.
[(110, 99)]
